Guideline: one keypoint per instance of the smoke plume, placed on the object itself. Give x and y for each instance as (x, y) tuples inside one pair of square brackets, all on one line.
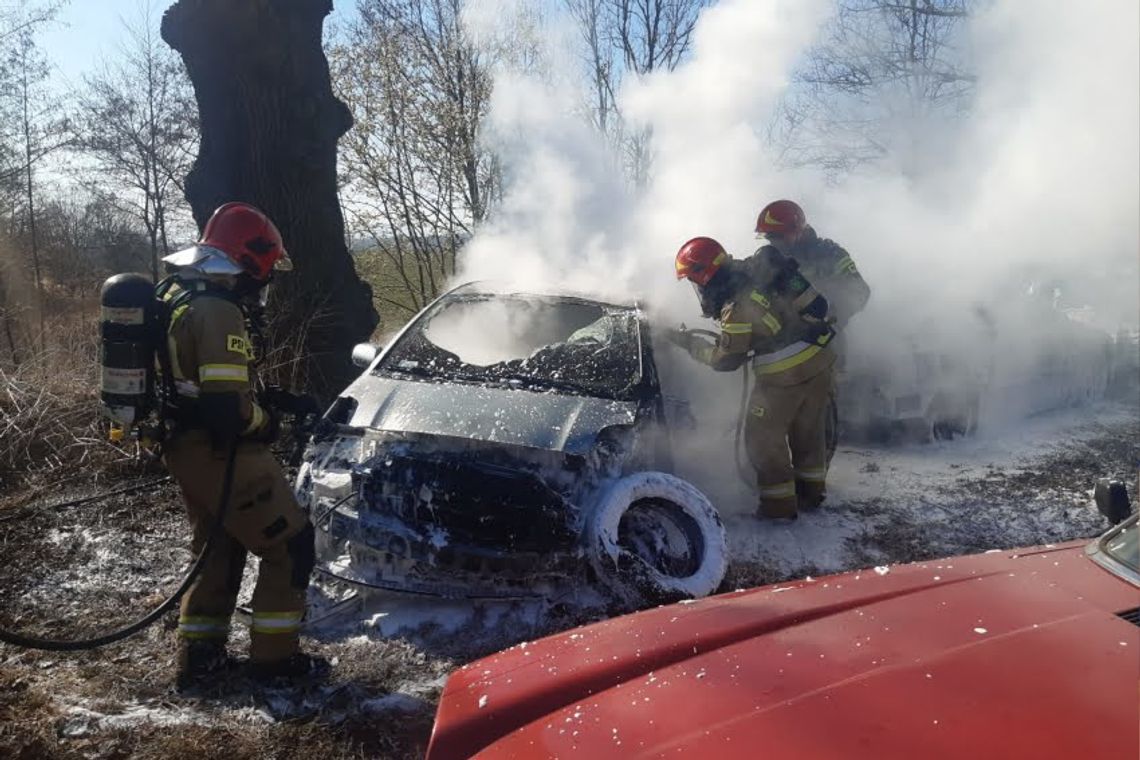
[(973, 243)]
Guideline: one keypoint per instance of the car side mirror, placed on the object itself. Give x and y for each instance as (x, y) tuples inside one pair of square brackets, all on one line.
[(1112, 500), (363, 354)]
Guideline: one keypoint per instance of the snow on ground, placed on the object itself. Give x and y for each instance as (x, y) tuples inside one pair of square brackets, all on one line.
[(95, 567), (1024, 485), (1027, 484)]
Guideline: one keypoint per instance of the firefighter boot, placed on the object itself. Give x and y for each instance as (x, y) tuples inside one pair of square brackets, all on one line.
[(295, 667), (810, 494), (200, 662), (777, 509)]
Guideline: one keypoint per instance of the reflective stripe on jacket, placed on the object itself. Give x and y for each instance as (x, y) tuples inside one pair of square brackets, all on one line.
[(770, 328), (210, 352), (833, 272)]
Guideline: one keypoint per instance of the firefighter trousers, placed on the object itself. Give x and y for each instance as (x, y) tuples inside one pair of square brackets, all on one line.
[(262, 518), (786, 438)]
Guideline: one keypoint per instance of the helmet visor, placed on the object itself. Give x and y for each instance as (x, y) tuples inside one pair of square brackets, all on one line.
[(205, 259)]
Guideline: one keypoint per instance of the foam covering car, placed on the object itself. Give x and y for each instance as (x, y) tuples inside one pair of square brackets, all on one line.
[(1026, 653), (509, 444), (952, 367)]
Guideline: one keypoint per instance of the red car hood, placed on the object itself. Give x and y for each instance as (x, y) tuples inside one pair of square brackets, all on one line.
[(996, 655)]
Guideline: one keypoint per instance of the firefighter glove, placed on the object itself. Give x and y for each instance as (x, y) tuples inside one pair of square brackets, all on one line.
[(296, 404), (819, 331)]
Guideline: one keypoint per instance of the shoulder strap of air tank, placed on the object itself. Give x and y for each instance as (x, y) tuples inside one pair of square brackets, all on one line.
[(165, 309), (191, 289), (159, 327)]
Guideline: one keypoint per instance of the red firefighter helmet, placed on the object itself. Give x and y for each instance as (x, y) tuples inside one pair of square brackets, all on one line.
[(781, 218), (248, 238), (700, 259), (238, 239)]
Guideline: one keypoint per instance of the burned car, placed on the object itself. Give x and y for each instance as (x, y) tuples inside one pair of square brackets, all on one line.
[(966, 364), (509, 444)]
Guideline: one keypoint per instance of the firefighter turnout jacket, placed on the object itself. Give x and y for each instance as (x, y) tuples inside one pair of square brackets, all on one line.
[(791, 356), (833, 272), (210, 356), (765, 321), (210, 363)]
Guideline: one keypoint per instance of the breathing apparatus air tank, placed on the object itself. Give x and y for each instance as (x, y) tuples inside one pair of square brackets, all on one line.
[(127, 350)]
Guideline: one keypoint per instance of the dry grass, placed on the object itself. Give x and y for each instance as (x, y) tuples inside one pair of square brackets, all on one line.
[(77, 572), (50, 425)]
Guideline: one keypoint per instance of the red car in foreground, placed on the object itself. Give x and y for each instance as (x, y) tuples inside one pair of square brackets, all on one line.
[(1027, 653)]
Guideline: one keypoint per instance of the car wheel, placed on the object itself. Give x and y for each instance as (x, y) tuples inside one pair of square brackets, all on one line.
[(654, 538), (956, 416)]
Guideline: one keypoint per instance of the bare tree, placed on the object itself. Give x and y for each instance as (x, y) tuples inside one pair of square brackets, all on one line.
[(85, 240), (630, 38), (10, 278), (32, 133), (138, 122), (883, 76), (270, 124), (418, 178), (24, 17), (31, 71)]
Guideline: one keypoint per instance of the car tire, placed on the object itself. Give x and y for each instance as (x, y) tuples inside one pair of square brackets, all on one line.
[(653, 538), (951, 416)]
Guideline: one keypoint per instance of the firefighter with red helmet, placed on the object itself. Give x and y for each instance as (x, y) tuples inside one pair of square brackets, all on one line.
[(830, 268), (771, 316), (209, 404)]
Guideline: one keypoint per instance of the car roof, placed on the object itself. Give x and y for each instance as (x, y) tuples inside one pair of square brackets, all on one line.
[(503, 288)]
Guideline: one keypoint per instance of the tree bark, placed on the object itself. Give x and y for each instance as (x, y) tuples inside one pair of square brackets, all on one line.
[(269, 130)]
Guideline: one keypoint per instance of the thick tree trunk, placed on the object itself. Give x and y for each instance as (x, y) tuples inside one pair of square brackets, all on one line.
[(270, 125)]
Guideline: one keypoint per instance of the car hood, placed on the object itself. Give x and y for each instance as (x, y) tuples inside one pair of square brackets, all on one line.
[(518, 417), (997, 655)]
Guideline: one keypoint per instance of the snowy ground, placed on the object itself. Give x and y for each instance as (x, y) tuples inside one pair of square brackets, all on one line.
[(89, 568), (1022, 486)]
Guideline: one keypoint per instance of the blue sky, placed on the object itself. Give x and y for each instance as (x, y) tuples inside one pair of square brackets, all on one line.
[(89, 31)]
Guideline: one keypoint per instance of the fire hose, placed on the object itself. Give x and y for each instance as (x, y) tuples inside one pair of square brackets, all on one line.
[(56, 645), (28, 512), (743, 467)]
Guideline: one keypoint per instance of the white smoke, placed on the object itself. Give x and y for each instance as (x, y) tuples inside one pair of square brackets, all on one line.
[(1036, 188), (569, 218), (1041, 179)]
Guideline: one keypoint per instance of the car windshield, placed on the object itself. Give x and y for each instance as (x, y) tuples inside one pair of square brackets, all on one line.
[(1124, 546), (563, 344)]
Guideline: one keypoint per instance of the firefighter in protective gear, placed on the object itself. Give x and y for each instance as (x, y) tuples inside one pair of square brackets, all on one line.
[(210, 404), (771, 316), (829, 267)]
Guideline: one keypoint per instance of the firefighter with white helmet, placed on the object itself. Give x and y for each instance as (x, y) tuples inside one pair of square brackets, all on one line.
[(771, 316), (209, 405)]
